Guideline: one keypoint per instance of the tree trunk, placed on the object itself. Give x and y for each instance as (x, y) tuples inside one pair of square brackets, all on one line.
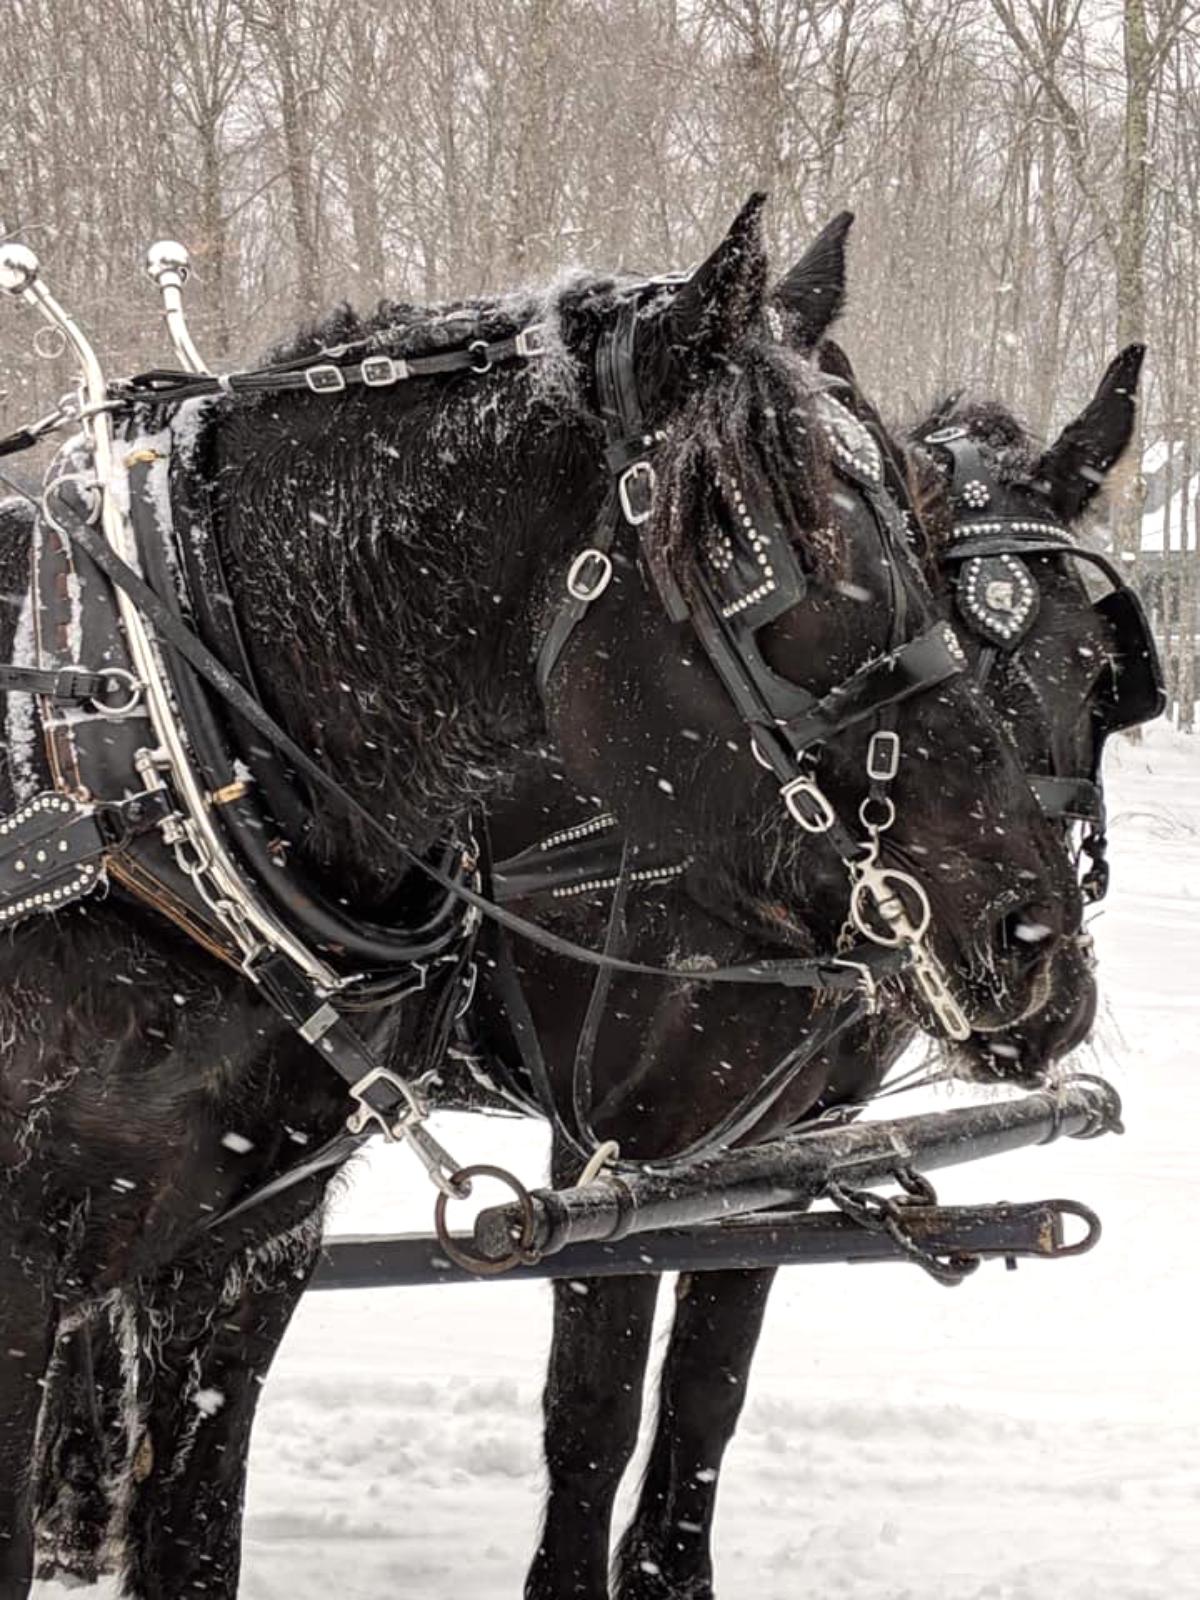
[(1131, 252)]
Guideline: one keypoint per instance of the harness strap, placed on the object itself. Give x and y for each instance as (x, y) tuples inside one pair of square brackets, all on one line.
[(53, 849), (582, 1087), (739, 1121), (328, 377), (833, 973), (1043, 542), (922, 663), (23, 439), (74, 684)]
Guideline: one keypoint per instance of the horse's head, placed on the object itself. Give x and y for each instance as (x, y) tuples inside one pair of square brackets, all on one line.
[(1061, 670), (1057, 640), (785, 699)]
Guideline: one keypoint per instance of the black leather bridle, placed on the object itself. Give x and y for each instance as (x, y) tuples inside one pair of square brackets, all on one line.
[(749, 576), (997, 526)]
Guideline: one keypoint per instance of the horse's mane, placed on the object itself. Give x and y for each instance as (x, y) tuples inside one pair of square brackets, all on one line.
[(751, 420), (402, 327)]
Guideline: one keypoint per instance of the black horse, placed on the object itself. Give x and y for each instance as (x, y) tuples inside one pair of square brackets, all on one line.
[(643, 1062), (397, 558), (653, 1058)]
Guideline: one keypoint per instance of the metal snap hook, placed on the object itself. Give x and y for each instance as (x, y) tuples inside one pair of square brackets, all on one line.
[(480, 344)]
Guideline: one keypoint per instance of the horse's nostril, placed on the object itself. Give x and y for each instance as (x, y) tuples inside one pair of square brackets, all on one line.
[(1022, 932)]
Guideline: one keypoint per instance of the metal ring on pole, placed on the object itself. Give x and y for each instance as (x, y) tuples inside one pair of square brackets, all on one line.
[(522, 1253)]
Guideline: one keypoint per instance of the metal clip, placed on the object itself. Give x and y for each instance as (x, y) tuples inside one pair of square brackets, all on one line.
[(805, 792), (408, 1126), (579, 586), (326, 379), (637, 483)]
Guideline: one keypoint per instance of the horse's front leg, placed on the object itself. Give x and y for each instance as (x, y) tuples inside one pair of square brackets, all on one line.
[(592, 1406), (27, 1321), (666, 1553), (212, 1332), (82, 1446)]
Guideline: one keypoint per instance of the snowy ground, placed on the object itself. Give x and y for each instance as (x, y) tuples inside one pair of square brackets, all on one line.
[(1023, 1437)]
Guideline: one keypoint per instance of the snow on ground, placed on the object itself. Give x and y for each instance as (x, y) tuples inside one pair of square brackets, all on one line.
[(1028, 1436)]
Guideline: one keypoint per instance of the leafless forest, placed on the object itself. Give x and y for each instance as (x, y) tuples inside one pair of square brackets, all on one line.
[(1026, 175)]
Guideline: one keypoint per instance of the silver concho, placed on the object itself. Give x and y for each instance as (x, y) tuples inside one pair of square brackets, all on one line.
[(998, 598), (975, 494)]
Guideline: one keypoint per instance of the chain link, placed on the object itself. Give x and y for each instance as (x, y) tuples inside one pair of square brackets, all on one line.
[(879, 1213)]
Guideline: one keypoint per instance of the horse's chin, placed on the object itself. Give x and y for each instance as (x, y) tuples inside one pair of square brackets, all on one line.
[(1057, 1020)]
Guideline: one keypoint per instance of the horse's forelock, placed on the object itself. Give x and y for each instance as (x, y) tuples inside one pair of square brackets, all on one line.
[(753, 422), (991, 423)]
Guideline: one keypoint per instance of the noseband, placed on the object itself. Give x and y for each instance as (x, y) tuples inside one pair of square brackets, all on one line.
[(997, 525)]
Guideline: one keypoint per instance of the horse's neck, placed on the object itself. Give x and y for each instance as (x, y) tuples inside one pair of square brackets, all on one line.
[(390, 591)]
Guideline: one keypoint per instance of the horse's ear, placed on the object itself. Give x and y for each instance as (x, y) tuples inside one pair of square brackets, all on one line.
[(939, 414), (812, 294), (1076, 464), (724, 297)]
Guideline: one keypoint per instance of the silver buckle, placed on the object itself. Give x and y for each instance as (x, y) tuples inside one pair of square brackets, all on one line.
[(642, 476), (803, 790), (883, 756), (577, 587), (531, 341), (380, 371), (326, 379)]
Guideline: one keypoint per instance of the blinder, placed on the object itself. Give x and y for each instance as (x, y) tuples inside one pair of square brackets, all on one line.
[(751, 569), (1131, 690)]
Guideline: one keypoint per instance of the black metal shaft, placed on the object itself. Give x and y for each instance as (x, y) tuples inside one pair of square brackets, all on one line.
[(775, 1240), (794, 1170)]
